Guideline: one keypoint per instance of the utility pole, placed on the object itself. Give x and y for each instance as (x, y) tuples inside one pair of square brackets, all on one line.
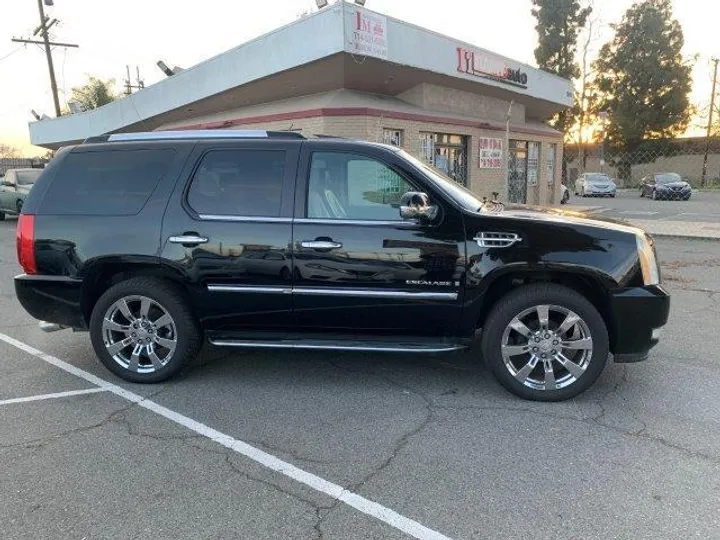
[(510, 194), (44, 27), (703, 179), (48, 53)]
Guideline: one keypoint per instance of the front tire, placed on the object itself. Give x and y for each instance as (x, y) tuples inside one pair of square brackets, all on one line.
[(2, 216), (143, 330), (547, 320)]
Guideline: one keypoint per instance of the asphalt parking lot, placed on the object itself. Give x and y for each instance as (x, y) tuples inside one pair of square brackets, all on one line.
[(702, 206), (424, 447)]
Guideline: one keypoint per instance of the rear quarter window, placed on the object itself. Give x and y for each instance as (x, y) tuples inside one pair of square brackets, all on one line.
[(114, 182)]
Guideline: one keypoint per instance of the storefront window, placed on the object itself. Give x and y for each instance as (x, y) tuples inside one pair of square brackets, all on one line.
[(427, 148), (446, 152), (550, 162), (396, 137), (533, 163)]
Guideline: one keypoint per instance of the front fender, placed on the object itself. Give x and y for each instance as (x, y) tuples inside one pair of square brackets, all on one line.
[(592, 261)]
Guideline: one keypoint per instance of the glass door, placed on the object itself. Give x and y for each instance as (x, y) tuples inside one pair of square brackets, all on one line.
[(517, 172)]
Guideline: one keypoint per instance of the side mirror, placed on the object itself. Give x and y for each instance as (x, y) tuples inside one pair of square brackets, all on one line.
[(416, 205), (8, 183)]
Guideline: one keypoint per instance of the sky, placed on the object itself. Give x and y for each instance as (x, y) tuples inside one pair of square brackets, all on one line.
[(116, 33)]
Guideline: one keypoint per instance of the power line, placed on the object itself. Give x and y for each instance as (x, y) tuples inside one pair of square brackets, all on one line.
[(8, 55)]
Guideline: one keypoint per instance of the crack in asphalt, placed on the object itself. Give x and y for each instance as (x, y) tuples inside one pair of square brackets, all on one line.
[(113, 417), (397, 447)]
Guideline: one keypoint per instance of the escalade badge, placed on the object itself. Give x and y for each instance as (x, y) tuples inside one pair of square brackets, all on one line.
[(432, 283)]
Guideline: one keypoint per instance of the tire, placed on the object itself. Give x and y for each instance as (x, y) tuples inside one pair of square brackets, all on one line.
[(642, 192), (2, 216), (525, 300), (18, 206), (654, 195), (164, 300)]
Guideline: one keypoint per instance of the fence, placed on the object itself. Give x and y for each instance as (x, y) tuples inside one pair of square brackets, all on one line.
[(21, 163), (686, 157)]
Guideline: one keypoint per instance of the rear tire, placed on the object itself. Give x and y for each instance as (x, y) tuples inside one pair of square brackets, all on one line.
[(18, 206), (2, 216), (154, 321), (583, 347)]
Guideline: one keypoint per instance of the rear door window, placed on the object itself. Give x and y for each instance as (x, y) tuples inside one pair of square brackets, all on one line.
[(247, 183), (115, 182)]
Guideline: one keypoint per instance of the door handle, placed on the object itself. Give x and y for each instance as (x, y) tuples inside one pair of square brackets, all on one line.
[(326, 245), (188, 239)]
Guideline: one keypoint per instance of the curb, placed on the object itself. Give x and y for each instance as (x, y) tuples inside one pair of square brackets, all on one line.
[(684, 237)]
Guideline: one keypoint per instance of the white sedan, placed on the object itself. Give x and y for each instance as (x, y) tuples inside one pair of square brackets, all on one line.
[(595, 185)]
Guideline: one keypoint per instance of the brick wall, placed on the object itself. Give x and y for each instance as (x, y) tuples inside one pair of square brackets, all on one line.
[(431, 97)]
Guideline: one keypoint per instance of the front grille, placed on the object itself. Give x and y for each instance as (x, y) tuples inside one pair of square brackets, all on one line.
[(496, 239)]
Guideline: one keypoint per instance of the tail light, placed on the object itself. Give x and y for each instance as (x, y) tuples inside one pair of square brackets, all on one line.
[(26, 243)]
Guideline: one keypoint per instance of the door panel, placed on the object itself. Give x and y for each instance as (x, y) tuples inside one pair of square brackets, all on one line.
[(236, 198), (360, 269)]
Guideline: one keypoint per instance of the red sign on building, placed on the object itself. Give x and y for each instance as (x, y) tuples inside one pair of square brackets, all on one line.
[(487, 66)]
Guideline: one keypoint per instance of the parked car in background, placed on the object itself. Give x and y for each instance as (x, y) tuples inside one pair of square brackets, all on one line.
[(14, 187), (665, 186), (595, 185), (565, 194), (157, 241)]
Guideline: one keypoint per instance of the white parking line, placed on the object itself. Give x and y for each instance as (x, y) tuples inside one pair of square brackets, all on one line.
[(366, 506), (41, 397), (639, 212)]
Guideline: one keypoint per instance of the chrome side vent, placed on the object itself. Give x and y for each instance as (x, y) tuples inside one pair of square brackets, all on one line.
[(496, 239)]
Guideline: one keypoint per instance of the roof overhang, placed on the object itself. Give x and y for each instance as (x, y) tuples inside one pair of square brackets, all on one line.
[(342, 46)]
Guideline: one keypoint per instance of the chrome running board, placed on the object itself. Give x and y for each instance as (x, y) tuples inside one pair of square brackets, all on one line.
[(308, 344)]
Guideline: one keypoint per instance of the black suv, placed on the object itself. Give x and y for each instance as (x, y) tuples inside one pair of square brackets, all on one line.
[(155, 241)]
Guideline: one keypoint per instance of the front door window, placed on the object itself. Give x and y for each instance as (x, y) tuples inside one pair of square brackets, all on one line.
[(349, 186)]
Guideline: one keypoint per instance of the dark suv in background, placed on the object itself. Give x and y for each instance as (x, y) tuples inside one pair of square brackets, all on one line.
[(155, 241)]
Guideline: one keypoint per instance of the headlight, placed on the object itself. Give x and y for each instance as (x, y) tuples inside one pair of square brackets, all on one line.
[(648, 262)]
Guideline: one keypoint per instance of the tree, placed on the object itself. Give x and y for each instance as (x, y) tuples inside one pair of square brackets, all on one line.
[(95, 93), (643, 80), (8, 151), (559, 22)]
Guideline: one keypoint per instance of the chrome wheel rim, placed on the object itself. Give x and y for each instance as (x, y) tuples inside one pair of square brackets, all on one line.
[(547, 347), (139, 334)]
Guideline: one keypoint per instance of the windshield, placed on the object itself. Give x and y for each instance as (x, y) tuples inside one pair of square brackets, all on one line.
[(457, 192), (27, 178), (667, 178), (598, 178)]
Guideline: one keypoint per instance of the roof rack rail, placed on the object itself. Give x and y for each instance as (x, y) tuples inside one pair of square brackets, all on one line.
[(323, 136), (194, 134)]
